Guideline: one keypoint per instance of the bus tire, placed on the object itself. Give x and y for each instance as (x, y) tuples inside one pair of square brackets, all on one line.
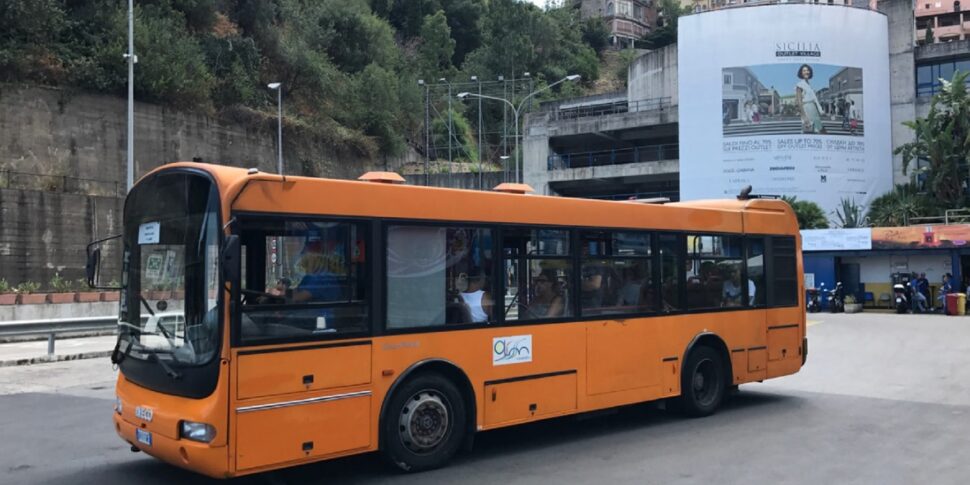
[(424, 425), (702, 384)]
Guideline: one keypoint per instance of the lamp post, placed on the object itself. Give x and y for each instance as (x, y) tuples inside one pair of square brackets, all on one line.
[(279, 124), (505, 168), (427, 131), (449, 127), (515, 112), (132, 59), (475, 79)]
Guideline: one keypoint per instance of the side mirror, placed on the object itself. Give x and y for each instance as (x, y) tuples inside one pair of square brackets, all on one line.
[(92, 266), (231, 254)]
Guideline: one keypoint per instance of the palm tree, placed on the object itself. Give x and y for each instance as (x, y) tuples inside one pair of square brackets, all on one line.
[(897, 207), (808, 213), (943, 141)]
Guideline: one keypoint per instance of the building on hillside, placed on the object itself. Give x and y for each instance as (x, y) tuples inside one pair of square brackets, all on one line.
[(697, 6), (627, 20), (946, 21)]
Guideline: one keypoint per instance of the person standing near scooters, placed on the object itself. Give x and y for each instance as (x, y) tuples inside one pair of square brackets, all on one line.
[(923, 286)]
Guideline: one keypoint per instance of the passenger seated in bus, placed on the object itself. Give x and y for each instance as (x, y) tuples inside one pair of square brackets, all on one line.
[(548, 301), (474, 295), (731, 290), (631, 291)]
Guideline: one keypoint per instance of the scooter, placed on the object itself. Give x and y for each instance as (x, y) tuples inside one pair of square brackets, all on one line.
[(813, 305), (901, 298), (836, 299)]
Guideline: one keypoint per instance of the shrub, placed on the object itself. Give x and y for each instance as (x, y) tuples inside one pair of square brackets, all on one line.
[(27, 287)]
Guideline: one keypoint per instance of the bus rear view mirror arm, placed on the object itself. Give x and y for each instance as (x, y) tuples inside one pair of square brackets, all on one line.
[(93, 266)]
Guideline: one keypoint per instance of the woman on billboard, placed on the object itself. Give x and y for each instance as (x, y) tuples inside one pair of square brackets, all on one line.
[(807, 101)]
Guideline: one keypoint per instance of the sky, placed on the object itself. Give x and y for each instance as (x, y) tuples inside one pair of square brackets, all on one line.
[(782, 76)]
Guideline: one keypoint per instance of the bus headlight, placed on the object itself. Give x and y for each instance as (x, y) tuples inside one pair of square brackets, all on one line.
[(200, 432), (117, 404)]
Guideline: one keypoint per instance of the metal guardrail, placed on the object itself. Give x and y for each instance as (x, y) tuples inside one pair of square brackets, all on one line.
[(52, 328), (639, 154), (604, 109)]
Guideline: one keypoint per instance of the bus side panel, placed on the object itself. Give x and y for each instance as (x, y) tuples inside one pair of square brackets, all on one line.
[(785, 340), (520, 401), (276, 436)]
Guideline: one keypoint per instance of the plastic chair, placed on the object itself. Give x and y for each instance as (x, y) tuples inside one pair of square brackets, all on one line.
[(868, 297), (887, 298)]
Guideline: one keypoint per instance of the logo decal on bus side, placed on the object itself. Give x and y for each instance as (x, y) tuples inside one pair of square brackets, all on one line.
[(512, 350)]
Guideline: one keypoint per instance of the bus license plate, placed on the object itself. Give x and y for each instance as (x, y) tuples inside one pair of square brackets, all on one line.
[(143, 437)]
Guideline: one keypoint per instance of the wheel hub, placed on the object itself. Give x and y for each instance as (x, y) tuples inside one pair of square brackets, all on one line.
[(424, 422)]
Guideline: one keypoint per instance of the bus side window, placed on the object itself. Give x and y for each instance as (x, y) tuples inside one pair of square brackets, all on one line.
[(757, 294), (305, 279), (537, 268), (438, 275), (670, 247), (783, 272)]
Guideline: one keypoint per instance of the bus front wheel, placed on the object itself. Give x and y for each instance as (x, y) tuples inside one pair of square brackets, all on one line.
[(702, 382), (425, 423)]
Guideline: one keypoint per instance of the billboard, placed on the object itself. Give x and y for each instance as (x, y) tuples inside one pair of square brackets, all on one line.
[(792, 99)]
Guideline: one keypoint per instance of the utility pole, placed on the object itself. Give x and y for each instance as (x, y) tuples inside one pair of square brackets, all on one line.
[(132, 59), (480, 183)]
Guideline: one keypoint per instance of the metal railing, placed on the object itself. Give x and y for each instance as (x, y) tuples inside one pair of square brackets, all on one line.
[(10, 179), (58, 326), (640, 154), (950, 216), (605, 109)]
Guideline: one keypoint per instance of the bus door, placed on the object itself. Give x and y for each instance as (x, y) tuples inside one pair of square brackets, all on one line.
[(617, 283), (302, 357), (786, 313)]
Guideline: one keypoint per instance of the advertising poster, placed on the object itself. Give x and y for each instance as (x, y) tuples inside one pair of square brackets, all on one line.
[(792, 99)]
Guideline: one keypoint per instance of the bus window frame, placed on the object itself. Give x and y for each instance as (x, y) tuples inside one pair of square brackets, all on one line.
[(380, 279), (242, 217), (376, 268)]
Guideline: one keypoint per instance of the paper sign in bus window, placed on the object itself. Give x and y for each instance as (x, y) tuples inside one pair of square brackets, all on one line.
[(149, 232)]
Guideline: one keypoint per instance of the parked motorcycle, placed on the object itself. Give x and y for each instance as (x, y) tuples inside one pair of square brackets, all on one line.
[(836, 299), (901, 297), (812, 304)]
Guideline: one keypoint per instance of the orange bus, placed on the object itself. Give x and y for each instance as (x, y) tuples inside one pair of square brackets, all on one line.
[(267, 322)]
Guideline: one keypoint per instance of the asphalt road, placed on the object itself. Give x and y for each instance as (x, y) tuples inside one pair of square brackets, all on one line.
[(884, 399)]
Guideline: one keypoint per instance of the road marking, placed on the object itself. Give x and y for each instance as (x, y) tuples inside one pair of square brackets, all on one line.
[(814, 322)]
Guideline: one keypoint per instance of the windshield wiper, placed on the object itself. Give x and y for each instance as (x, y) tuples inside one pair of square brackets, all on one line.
[(168, 336), (175, 375)]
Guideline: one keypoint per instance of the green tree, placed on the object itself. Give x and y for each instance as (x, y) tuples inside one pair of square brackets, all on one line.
[(378, 96), (928, 38), (595, 34), (30, 34), (898, 206), (437, 47), (666, 31), (943, 141), (808, 213)]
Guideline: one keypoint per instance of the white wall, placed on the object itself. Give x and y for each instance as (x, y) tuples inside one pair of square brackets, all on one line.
[(879, 269)]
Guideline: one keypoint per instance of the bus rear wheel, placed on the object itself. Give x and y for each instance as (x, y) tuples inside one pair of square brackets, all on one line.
[(424, 424), (702, 385)]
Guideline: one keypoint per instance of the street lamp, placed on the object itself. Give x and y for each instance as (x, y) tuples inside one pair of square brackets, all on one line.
[(427, 131), (475, 79), (132, 59), (443, 80), (279, 124), (515, 111)]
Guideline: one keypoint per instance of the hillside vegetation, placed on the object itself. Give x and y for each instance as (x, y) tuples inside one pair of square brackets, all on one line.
[(349, 68)]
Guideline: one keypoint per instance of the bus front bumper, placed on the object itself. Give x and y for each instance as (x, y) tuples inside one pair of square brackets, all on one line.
[(191, 455)]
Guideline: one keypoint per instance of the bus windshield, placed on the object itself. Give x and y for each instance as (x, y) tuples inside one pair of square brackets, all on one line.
[(168, 311)]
